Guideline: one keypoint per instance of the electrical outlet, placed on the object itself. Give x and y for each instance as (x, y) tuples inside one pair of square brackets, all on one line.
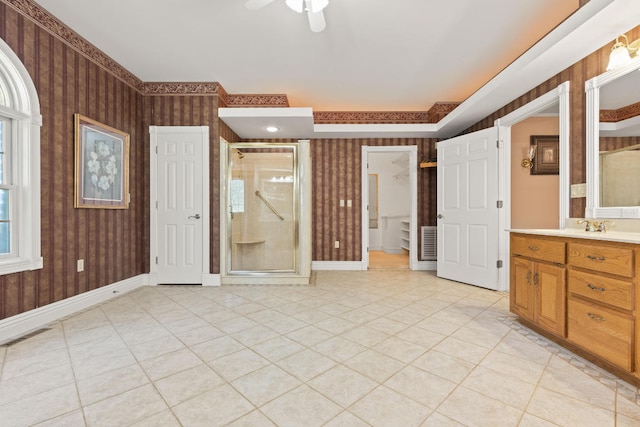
[(341, 203), (80, 265), (349, 203), (336, 244), (578, 190)]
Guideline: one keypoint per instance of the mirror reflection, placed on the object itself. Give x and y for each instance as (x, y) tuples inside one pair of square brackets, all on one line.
[(619, 132)]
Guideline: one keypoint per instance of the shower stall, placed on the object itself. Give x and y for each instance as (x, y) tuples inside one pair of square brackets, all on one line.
[(265, 208)]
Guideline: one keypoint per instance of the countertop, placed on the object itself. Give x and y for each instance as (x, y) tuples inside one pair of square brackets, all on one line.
[(612, 236)]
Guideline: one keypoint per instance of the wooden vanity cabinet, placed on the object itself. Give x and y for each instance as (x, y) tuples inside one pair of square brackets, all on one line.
[(584, 293), (538, 282)]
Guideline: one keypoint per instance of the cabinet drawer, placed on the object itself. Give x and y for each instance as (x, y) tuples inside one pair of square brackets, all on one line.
[(602, 289), (602, 332), (539, 249), (602, 258)]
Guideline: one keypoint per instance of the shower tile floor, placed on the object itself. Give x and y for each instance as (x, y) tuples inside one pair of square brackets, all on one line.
[(376, 348)]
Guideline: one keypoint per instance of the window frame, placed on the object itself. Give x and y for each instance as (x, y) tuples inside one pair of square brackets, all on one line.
[(22, 107)]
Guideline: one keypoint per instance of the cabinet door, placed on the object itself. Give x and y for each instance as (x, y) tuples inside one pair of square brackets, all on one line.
[(522, 289), (550, 284)]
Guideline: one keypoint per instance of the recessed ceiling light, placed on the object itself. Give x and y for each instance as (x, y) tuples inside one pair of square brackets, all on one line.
[(272, 129)]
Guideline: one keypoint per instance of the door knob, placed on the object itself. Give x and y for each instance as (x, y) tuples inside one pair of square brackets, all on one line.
[(440, 216), (196, 216)]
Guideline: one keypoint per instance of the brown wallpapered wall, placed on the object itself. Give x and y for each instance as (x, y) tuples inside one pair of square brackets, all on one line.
[(108, 240)]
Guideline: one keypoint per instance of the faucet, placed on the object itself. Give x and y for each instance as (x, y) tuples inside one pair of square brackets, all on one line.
[(593, 225), (590, 225)]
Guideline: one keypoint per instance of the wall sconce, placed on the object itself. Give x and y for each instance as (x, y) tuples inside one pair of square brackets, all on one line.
[(622, 52), (528, 155)]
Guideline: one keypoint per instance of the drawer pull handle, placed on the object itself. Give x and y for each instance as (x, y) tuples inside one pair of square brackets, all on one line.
[(596, 317), (596, 288), (534, 248), (535, 279), (528, 277), (596, 258)]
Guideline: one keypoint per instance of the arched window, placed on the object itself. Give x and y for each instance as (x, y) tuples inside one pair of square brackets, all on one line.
[(20, 123)]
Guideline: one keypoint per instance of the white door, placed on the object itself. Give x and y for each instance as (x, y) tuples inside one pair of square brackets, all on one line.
[(468, 238), (181, 214)]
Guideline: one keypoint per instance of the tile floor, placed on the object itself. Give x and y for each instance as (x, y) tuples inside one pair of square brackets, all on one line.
[(377, 348)]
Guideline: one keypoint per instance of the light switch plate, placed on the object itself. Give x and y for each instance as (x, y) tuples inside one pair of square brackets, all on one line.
[(578, 190)]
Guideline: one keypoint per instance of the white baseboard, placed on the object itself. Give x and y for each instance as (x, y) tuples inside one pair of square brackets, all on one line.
[(426, 266), (336, 265), (29, 321), (211, 280)]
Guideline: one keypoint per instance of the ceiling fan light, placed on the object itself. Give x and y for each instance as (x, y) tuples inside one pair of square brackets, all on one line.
[(295, 5), (315, 6), (316, 21), (619, 57)]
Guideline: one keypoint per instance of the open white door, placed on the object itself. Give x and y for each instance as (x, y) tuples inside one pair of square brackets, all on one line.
[(468, 238), (181, 208)]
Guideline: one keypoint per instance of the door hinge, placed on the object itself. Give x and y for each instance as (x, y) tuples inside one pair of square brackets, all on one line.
[(498, 144), (156, 260), (156, 204), (499, 263), (156, 149), (500, 204)]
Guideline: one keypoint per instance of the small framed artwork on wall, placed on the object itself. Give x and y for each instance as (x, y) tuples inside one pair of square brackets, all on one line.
[(101, 165), (546, 160)]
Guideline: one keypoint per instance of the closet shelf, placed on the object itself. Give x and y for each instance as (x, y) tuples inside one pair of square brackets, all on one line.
[(428, 164)]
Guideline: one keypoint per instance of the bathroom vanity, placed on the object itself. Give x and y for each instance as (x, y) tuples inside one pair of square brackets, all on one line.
[(581, 289)]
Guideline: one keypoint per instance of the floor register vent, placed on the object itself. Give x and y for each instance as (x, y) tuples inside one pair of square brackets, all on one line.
[(429, 239)]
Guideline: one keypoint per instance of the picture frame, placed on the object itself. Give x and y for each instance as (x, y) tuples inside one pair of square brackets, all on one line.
[(101, 177), (547, 155)]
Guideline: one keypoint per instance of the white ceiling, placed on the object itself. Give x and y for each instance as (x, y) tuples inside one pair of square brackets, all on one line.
[(375, 55)]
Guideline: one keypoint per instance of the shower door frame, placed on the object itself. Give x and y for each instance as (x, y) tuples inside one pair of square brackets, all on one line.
[(302, 215)]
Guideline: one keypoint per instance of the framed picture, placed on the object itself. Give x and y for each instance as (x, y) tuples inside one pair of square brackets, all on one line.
[(101, 165), (547, 158)]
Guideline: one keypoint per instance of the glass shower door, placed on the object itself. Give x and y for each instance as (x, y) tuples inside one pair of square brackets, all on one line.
[(263, 217)]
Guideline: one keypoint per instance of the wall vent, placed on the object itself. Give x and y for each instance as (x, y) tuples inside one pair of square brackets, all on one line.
[(429, 239)]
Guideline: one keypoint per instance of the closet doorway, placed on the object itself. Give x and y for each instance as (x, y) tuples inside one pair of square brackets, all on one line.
[(389, 208)]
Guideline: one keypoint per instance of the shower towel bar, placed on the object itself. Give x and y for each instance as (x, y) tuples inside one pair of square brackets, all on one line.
[(274, 210)]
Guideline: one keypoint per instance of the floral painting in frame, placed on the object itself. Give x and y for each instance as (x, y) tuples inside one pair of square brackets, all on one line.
[(101, 165)]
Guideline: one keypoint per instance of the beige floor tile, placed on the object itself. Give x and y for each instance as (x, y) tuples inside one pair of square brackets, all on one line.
[(347, 419), (238, 364), (126, 408), (187, 384), (421, 386), (235, 325), (336, 325), (624, 421), (422, 337), (400, 349), (162, 419), (17, 366), (342, 385), (74, 418), (529, 420), (628, 408), (30, 384), (306, 364), (109, 384), (216, 407), (438, 420), (388, 326), (479, 335), (309, 335), (567, 411), (339, 349), (217, 348), (472, 353), (170, 363), (285, 325), (265, 384), (506, 364), (443, 365), (277, 348), (520, 346), (471, 408), (106, 362), (255, 335), (198, 335), (375, 365), (155, 348), (386, 408), (365, 336), (301, 407), (40, 407), (438, 326), (253, 419), (504, 388), (561, 377)]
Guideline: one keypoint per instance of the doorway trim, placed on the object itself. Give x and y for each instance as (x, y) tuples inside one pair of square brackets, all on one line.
[(413, 188), (558, 95), (208, 279)]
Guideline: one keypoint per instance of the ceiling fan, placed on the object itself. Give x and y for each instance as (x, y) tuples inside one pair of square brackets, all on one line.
[(314, 9)]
